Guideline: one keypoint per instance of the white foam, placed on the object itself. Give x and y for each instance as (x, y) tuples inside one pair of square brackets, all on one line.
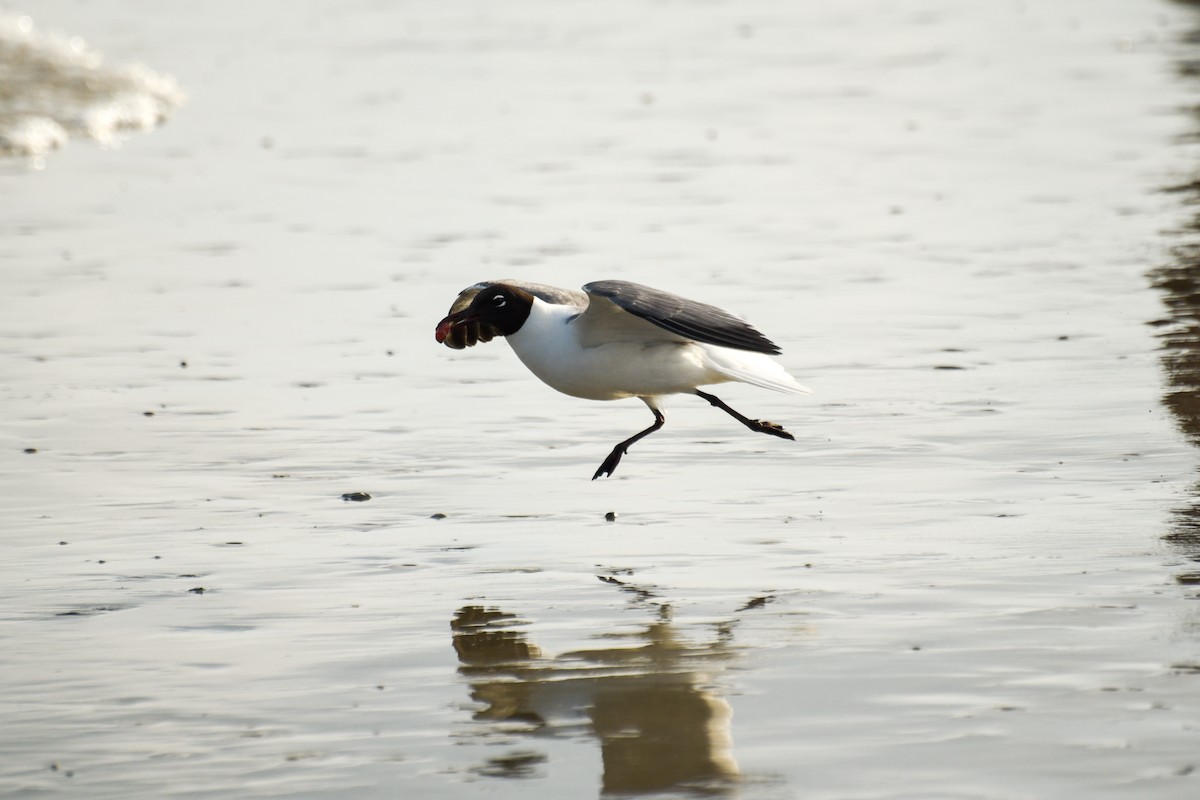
[(53, 87)]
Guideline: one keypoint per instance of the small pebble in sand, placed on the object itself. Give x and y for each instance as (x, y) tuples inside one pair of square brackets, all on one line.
[(197, 590), (147, 413), (438, 515), (610, 516), (31, 450), (357, 497), (183, 365)]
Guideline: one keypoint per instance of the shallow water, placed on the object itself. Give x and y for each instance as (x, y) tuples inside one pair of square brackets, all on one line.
[(968, 578)]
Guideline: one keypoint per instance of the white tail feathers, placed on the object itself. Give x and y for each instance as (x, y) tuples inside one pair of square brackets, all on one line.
[(755, 369)]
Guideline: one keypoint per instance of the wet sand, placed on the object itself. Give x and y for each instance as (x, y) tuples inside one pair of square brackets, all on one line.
[(968, 578)]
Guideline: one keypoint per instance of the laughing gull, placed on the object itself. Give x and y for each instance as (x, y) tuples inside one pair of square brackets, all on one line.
[(618, 339)]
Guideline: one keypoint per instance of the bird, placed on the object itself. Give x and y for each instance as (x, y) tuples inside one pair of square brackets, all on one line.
[(617, 339)]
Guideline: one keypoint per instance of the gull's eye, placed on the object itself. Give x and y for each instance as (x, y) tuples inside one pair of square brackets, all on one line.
[(499, 301)]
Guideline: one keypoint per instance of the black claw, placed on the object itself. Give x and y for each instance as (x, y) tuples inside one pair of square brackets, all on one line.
[(610, 464), (762, 426)]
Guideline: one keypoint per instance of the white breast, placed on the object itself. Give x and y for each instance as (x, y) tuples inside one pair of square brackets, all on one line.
[(549, 345)]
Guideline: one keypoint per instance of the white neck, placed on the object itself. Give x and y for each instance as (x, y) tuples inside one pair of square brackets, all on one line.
[(548, 346)]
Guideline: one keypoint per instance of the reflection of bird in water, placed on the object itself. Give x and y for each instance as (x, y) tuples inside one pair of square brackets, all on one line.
[(659, 723), (617, 339), (486, 648), (663, 731), (1179, 329)]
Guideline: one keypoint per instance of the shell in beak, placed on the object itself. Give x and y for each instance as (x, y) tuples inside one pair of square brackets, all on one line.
[(463, 329)]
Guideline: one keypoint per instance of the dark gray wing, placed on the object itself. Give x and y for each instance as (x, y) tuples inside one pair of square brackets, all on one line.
[(687, 318)]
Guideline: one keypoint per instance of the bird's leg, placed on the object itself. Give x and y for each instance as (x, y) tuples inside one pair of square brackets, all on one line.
[(614, 457), (759, 425)]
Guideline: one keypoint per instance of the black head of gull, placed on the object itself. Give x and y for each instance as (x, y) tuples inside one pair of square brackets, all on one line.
[(617, 339), (495, 310)]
